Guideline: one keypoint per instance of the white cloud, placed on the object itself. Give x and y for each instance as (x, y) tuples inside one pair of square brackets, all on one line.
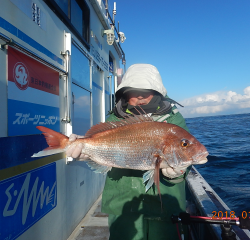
[(217, 103), (247, 91)]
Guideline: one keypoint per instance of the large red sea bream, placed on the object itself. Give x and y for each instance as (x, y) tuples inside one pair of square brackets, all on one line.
[(135, 143)]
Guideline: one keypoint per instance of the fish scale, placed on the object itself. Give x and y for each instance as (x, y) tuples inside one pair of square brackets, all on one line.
[(120, 155), (119, 152)]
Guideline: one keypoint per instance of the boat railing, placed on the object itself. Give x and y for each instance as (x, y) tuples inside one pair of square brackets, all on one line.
[(204, 201)]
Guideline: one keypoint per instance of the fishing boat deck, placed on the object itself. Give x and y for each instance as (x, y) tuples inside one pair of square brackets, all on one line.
[(94, 226)]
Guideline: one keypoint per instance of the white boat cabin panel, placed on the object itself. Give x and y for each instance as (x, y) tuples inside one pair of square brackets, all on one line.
[(57, 70)]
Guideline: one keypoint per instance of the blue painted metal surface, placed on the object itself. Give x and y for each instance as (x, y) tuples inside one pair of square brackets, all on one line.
[(26, 198), (24, 117), (18, 150), (21, 35)]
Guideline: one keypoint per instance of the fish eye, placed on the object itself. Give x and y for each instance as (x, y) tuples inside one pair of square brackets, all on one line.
[(185, 143)]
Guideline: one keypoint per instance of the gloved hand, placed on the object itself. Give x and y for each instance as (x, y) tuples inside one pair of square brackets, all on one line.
[(75, 151), (173, 173)]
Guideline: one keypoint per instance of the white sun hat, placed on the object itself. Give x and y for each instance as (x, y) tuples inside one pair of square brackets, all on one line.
[(142, 76)]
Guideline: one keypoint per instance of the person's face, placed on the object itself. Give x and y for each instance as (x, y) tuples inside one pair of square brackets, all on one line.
[(136, 98)]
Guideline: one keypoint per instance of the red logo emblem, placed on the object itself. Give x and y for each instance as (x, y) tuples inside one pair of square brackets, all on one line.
[(21, 76)]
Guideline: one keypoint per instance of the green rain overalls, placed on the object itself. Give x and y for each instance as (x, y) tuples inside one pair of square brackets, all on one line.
[(136, 215)]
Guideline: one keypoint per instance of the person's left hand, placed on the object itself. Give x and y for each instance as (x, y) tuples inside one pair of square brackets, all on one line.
[(173, 172), (75, 151)]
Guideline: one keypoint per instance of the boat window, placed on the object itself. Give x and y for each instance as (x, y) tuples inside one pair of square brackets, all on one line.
[(107, 94), (63, 4), (97, 97), (76, 15), (80, 69), (80, 110)]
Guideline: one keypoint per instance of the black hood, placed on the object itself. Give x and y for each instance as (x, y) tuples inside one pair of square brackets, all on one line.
[(158, 105)]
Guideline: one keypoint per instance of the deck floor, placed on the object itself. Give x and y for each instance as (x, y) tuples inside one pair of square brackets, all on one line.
[(94, 226)]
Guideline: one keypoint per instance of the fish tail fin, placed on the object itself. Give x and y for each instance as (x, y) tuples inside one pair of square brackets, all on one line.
[(56, 141)]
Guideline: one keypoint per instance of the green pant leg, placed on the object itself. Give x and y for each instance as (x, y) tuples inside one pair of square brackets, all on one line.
[(162, 230), (135, 227), (127, 227)]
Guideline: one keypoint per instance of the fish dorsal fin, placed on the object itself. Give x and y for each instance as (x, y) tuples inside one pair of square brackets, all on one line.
[(129, 119)]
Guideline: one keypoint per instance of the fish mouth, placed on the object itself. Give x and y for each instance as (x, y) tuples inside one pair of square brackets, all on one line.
[(200, 158), (182, 167), (176, 162), (202, 161)]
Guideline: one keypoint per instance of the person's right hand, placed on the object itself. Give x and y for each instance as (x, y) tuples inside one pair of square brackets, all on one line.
[(75, 151), (173, 173)]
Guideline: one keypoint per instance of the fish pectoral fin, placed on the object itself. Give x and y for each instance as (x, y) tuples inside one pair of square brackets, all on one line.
[(148, 176), (97, 167)]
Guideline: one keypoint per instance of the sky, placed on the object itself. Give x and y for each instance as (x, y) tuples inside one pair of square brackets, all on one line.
[(200, 47)]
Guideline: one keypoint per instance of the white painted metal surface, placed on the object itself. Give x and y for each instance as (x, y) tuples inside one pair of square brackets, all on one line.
[(3, 92)]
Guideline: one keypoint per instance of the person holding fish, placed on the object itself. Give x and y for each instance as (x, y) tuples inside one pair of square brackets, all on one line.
[(124, 197), (146, 149)]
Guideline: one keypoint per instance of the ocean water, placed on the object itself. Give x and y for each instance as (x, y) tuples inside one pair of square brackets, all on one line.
[(227, 139)]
